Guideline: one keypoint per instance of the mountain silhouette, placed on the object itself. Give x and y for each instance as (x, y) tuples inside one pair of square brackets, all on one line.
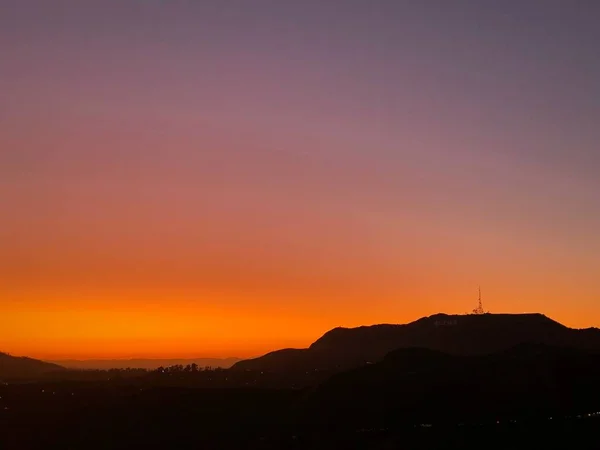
[(426, 386), (12, 367), (344, 348)]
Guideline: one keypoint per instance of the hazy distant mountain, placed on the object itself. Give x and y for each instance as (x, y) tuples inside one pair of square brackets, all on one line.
[(343, 348), (427, 385), (144, 363), (22, 367)]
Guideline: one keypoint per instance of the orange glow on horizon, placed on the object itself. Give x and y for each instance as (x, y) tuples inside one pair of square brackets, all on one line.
[(150, 327)]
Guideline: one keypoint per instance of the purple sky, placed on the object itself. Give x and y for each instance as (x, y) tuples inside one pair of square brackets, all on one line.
[(424, 146)]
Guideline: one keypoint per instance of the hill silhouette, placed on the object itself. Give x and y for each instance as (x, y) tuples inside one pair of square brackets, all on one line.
[(411, 398), (12, 367), (428, 386), (344, 348)]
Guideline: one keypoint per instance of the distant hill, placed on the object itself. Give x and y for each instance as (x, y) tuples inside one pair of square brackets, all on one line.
[(12, 367), (105, 364), (343, 348), (426, 386)]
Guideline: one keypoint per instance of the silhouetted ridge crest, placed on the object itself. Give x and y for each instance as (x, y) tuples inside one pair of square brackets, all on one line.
[(23, 367), (343, 348), (348, 336)]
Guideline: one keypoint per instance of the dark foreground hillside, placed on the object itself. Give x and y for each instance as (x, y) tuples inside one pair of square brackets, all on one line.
[(420, 385), (530, 396), (248, 419)]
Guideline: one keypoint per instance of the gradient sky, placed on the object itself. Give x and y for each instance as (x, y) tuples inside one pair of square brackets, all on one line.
[(186, 178)]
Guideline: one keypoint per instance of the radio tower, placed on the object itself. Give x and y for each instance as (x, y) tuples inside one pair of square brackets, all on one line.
[(479, 310)]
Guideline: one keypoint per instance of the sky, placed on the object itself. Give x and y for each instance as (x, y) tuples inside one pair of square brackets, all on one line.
[(214, 178)]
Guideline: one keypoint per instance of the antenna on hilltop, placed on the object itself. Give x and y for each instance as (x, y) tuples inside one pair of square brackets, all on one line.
[(479, 310)]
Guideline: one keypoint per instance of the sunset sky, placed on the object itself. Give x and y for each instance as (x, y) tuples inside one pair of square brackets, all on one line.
[(185, 178)]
